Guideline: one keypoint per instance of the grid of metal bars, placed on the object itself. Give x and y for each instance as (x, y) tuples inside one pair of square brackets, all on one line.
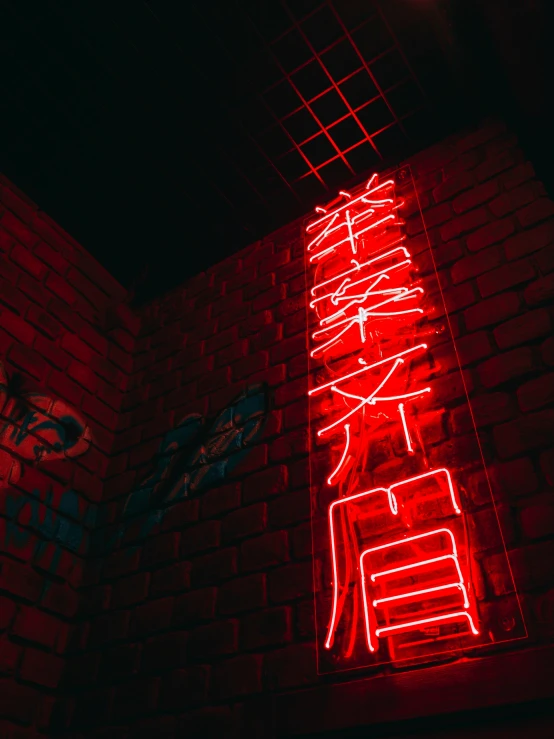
[(344, 81)]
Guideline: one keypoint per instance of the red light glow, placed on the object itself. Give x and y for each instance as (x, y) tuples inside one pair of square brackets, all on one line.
[(368, 301)]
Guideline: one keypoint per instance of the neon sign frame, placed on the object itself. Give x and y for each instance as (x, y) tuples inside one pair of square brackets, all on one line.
[(394, 582)]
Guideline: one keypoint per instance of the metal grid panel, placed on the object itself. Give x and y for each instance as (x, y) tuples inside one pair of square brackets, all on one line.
[(344, 83)]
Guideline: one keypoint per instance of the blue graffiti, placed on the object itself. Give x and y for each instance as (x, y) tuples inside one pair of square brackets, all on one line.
[(193, 457)]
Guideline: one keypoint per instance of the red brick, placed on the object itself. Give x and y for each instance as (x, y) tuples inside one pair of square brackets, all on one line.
[(214, 640), (89, 291), (494, 166), (10, 655), (269, 298), (536, 393), (505, 277), (249, 365), (18, 702), (540, 210), (290, 667), (110, 627), (289, 509), (510, 201), (287, 349), (25, 259), (547, 351), (540, 291), (165, 652), (457, 298), (7, 612), (490, 234), (517, 175), (246, 521), (29, 361), (235, 351), (212, 568), (220, 340), (452, 186), (473, 347), (34, 625), (507, 366), (514, 478), (151, 617), (182, 689), (523, 434), (20, 580), (129, 590), (234, 678), (264, 551), (269, 336), (12, 297), (52, 258), (195, 607), (474, 197), (98, 410), (61, 288), (537, 520), (255, 460), (530, 241), (73, 345), (242, 594), (476, 264), (41, 668), (220, 500), (199, 538), (271, 627), (17, 327), (487, 410), (272, 263), (51, 353), (172, 578), (435, 216), (291, 582), (547, 466), (491, 311), (161, 548), (526, 327), (481, 136), (21, 232), (265, 484), (43, 322), (254, 324), (119, 661)]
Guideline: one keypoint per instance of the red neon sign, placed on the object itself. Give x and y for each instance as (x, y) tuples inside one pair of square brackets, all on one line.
[(398, 571)]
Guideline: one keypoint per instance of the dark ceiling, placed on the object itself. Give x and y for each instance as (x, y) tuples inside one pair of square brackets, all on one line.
[(166, 134)]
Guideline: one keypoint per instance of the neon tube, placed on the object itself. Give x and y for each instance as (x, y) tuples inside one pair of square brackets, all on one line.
[(359, 266), (405, 427), (365, 368), (434, 619), (341, 462), (425, 591), (312, 226)]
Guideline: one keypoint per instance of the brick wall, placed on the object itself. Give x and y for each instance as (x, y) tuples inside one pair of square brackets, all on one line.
[(65, 351), (196, 607)]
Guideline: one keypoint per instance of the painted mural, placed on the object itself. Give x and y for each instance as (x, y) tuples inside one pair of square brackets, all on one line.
[(35, 428), (45, 525), (198, 454), (50, 525)]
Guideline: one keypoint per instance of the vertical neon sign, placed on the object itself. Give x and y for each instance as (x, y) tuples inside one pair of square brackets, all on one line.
[(398, 578)]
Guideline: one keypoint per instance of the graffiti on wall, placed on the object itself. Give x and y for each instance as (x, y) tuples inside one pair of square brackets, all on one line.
[(35, 428), (44, 525), (195, 456)]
